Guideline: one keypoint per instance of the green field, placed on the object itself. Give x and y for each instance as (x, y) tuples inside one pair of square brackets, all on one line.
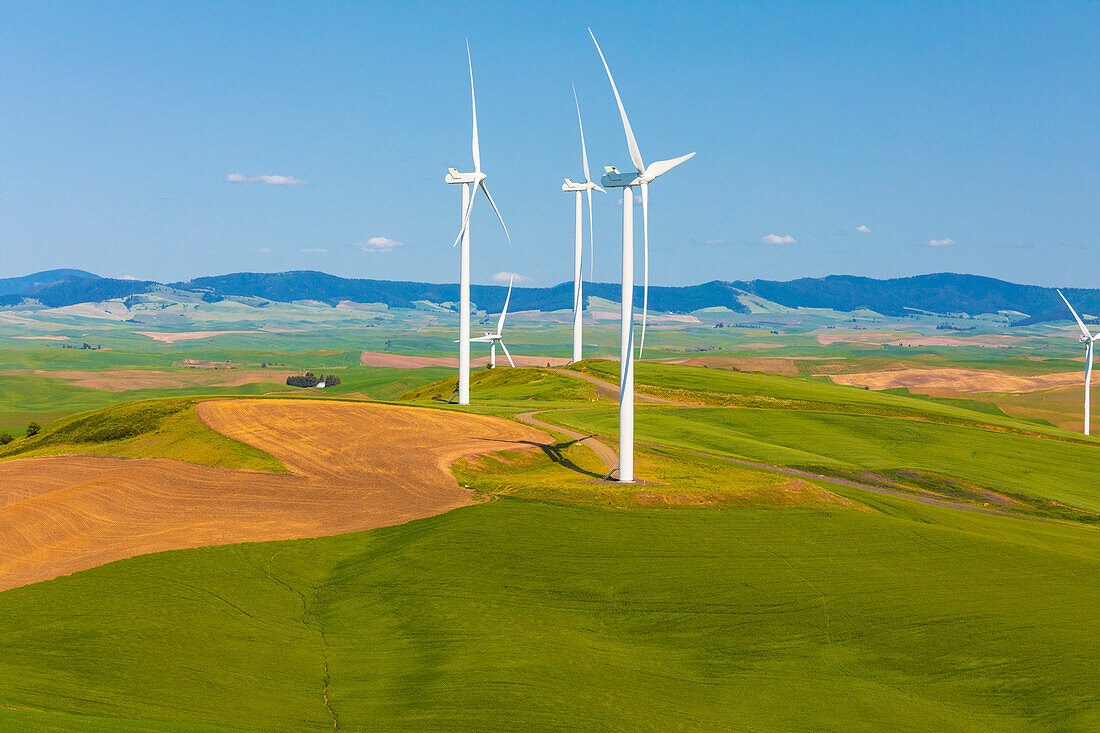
[(521, 614), (748, 583)]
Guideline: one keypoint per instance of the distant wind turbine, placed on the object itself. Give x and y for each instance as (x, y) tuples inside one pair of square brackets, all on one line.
[(471, 182), (627, 181), (497, 338), (1087, 339), (587, 187)]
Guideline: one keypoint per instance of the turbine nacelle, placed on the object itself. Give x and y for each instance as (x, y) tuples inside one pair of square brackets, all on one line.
[(614, 178), (571, 186), (473, 177)]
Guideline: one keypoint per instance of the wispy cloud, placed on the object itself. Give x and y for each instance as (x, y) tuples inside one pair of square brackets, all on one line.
[(940, 242), (776, 239), (314, 250), (264, 250), (503, 277), (379, 244), (271, 180), (716, 241), (863, 228)]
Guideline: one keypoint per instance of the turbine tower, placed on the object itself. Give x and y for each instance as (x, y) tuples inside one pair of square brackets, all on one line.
[(627, 182), (471, 182), (587, 187), (1087, 339), (496, 338)]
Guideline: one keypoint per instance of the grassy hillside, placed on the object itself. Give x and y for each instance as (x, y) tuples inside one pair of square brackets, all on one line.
[(722, 388), (155, 428), (524, 615), (1056, 470), (507, 384)]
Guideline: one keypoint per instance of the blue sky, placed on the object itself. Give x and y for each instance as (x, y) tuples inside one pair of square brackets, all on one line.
[(975, 124)]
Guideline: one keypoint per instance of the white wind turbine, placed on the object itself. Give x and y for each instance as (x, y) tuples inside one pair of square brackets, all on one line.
[(471, 182), (1087, 339), (627, 181), (496, 338), (587, 187)]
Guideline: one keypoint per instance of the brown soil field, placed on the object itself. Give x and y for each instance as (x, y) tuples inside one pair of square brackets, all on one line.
[(42, 338), (352, 466), (957, 380), (171, 338), (786, 365), (885, 338), (128, 379), (404, 361)]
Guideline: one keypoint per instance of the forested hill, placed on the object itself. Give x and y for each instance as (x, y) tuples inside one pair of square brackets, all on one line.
[(938, 293)]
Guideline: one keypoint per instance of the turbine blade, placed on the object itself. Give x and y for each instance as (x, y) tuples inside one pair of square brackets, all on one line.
[(466, 216), (645, 264), (473, 107), (662, 167), (491, 202), (1075, 316), (631, 143), (506, 353), (503, 313), (584, 150)]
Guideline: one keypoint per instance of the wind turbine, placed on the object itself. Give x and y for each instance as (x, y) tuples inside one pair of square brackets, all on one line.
[(471, 182), (1087, 339), (627, 182), (587, 187), (496, 338)]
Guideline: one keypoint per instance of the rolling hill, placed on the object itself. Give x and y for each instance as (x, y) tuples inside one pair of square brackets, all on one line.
[(933, 293)]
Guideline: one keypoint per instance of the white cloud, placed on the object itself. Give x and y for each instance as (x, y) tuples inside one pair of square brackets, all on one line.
[(126, 277), (716, 241), (940, 242), (314, 250), (379, 244), (272, 180), (264, 250), (863, 228), (776, 239), (503, 277)]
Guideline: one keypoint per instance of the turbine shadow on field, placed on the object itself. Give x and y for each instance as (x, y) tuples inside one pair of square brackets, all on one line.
[(556, 453)]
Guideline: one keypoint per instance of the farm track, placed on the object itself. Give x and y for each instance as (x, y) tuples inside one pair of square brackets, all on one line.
[(604, 452), (352, 467), (610, 390)]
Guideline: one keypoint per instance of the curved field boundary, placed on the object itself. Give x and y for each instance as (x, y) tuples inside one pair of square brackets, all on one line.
[(353, 466)]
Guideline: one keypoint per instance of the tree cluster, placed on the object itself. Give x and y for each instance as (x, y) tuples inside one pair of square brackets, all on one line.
[(309, 380)]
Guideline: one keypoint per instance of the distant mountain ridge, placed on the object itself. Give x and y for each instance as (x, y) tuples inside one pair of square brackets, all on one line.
[(938, 293), (27, 283)]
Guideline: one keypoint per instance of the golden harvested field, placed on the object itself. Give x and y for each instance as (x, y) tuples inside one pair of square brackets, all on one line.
[(957, 380), (352, 466)]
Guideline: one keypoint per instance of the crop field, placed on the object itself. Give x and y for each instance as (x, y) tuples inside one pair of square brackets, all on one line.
[(551, 617), (347, 468), (196, 549)]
